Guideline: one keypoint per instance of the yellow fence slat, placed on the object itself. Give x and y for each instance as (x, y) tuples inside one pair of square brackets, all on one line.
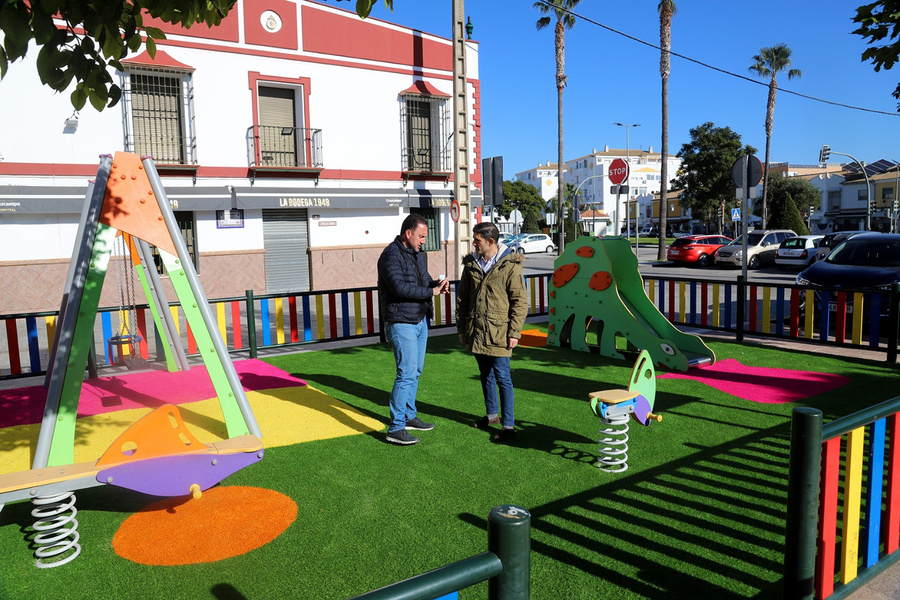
[(357, 307), (174, 311), (715, 304), (279, 320), (682, 303), (220, 321), (856, 336), (852, 497), (320, 317)]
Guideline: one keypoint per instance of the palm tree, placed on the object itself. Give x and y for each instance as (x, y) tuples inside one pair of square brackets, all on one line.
[(769, 63), (666, 12), (564, 20)]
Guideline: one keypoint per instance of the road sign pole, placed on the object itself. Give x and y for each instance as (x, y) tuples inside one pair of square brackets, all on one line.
[(745, 209)]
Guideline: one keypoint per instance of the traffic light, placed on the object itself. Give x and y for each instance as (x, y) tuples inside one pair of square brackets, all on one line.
[(824, 153)]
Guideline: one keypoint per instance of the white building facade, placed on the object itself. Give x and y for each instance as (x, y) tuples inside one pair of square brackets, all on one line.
[(292, 141)]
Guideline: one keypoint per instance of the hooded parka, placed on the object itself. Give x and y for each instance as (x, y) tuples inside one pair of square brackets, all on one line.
[(490, 308)]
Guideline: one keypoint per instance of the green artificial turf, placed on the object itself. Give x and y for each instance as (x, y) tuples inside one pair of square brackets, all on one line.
[(699, 512)]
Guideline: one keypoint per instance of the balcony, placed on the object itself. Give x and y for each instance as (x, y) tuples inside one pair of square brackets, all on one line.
[(284, 149)]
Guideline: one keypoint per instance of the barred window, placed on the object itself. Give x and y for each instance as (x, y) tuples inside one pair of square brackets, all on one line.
[(159, 116), (426, 138), (433, 241), (188, 228)]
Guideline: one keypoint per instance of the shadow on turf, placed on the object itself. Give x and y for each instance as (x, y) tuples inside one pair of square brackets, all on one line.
[(709, 525)]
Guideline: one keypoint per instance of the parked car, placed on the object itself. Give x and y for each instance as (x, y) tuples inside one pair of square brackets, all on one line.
[(648, 231), (867, 261), (695, 249), (830, 241), (533, 242), (761, 247), (797, 252)]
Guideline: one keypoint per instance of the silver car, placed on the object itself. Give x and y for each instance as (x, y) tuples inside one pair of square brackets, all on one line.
[(797, 252)]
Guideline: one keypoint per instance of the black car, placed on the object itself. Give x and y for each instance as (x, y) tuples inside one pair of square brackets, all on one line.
[(867, 261)]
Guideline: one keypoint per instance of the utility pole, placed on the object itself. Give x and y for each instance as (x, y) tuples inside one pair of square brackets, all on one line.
[(461, 155)]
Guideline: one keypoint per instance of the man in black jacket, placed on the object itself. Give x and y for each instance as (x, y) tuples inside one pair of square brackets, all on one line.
[(405, 292)]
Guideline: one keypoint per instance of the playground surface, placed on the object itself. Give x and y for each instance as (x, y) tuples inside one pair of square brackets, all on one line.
[(700, 510)]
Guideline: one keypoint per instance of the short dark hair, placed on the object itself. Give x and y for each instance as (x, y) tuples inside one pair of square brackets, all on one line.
[(487, 231), (412, 222)]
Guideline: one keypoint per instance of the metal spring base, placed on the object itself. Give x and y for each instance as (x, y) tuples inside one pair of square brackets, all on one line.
[(614, 444), (56, 530)]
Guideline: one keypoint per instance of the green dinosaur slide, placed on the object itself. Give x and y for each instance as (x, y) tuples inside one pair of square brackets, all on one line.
[(597, 284)]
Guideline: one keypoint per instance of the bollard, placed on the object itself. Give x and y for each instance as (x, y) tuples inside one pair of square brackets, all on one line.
[(509, 537), (802, 503)]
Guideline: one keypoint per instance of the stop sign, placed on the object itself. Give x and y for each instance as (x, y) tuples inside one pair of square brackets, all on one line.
[(618, 171)]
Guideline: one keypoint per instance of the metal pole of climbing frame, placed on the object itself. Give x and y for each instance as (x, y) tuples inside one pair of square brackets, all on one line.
[(461, 155), (66, 329), (200, 297)]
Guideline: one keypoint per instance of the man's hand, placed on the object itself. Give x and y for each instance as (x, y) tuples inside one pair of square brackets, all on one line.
[(462, 339), (442, 288), (511, 343)]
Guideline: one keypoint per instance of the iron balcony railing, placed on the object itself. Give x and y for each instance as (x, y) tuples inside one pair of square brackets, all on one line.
[(284, 147)]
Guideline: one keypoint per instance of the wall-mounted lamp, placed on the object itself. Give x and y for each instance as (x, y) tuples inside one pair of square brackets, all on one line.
[(71, 124)]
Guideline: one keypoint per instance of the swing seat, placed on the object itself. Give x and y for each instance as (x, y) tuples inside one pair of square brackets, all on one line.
[(114, 346)]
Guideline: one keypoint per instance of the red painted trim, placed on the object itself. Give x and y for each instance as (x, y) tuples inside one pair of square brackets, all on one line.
[(477, 175), (161, 60), (828, 510), (62, 170), (423, 88), (143, 349), (672, 301), (255, 33), (344, 34), (303, 59), (192, 342), (226, 31), (370, 313), (704, 302)]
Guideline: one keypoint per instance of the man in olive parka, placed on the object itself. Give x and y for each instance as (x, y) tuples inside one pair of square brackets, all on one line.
[(491, 306)]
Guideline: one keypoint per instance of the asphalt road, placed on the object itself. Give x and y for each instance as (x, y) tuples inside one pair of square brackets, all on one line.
[(649, 266)]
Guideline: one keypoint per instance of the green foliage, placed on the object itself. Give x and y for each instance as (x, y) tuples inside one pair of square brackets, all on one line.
[(705, 174), (518, 195), (109, 29), (785, 215), (799, 190), (880, 21), (364, 7)]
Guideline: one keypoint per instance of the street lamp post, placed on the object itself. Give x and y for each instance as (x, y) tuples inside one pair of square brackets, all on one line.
[(627, 127), (823, 156), (575, 198)]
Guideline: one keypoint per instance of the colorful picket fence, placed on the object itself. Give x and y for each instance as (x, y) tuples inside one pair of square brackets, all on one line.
[(859, 318), (843, 521), (277, 321)]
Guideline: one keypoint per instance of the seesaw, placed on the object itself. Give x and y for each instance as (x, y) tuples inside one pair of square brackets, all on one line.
[(157, 455)]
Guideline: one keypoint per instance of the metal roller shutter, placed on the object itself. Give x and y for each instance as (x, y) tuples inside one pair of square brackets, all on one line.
[(286, 237)]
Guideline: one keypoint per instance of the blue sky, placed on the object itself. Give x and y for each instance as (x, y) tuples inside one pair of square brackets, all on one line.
[(614, 79)]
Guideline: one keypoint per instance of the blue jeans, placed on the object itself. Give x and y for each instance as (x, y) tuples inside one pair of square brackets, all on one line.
[(409, 342), (495, 374)]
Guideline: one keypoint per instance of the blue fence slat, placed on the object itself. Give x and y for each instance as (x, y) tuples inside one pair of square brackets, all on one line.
[(106, 322), (307, 320), (34, 351), (264, 321), (824, 315), (727, 318), (345, 314), (873, 491), (692, 318)]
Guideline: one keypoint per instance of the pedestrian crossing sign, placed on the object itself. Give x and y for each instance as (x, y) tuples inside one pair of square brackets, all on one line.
[(735, 214)]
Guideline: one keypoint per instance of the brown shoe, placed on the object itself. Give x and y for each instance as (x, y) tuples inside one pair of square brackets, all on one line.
[(504, 436), (485, 423)]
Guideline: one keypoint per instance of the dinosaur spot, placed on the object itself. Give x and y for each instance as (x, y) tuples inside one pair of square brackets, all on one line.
[(600, 281), (585, 251), (552, 310), (553, 293), (552, 327), (564, 274)]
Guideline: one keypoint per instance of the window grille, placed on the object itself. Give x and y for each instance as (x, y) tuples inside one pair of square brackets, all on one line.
[(425, 134), (159, 119), (188, 228), (433, 241)]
